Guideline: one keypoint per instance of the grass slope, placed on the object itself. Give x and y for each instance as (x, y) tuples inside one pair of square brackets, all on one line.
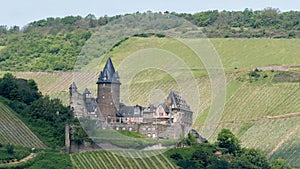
[(14, 131), (240, 53), (251, 53)]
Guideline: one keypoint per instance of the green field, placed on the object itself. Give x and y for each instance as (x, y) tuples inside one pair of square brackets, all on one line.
[(14, 131)]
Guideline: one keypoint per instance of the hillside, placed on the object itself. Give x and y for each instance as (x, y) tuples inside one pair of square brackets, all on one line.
[(263, 113), (53, 44), (235, 54), (14, 131), (263, 116)]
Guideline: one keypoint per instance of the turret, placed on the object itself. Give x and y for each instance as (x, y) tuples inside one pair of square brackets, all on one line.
[(108, 93)]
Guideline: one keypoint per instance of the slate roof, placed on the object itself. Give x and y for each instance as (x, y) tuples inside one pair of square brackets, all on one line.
[(199, 138), (166, 109), (108, 74), (131, 111), (86, 91), (178, 101), (91, 104)]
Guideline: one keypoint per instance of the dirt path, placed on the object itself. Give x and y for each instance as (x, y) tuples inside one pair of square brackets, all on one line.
[(30, 156), (291, 115), (282, 68), (282, 141)]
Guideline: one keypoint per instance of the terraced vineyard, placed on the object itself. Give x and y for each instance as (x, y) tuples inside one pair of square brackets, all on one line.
[(56, 84), (251, 102), (277, 138), (262, 116), (14, 131), (120, 160), (290, 150)]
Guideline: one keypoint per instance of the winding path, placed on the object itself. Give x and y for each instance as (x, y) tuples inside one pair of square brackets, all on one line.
[(30, 156)]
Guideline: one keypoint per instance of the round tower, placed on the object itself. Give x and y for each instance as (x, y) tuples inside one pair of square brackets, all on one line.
[(108, 91)]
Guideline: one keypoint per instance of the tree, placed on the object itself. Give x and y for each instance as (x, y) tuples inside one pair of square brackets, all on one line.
[(204, 155), (226, 139), (190, 140), (48, 118), (92, 20), (18, 89), (10, 149), (250, 159), (79, 135), (279, 164), (7, 84)]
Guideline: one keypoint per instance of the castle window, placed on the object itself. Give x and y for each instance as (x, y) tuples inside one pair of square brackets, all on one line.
[(111, 103), (103, 96)]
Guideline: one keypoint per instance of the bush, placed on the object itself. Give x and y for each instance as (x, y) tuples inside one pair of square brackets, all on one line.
[(10, 149), (176, 156)]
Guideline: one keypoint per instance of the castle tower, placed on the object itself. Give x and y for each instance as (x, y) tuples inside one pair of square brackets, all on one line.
[(73, 92), (108, 92), (72, 89)]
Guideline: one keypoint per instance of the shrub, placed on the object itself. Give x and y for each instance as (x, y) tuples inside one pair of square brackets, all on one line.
[(10, 149)]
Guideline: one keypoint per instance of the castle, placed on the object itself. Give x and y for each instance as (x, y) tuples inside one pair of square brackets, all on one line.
[(170, 119)]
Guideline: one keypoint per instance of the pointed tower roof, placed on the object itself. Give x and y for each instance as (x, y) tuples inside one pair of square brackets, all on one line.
[(108, 74), (86, 91), (178, 101), (73, 86)]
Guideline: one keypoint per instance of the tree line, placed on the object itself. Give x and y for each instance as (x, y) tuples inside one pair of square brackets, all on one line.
[(53, 44), (225, 153), (44, 116)]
